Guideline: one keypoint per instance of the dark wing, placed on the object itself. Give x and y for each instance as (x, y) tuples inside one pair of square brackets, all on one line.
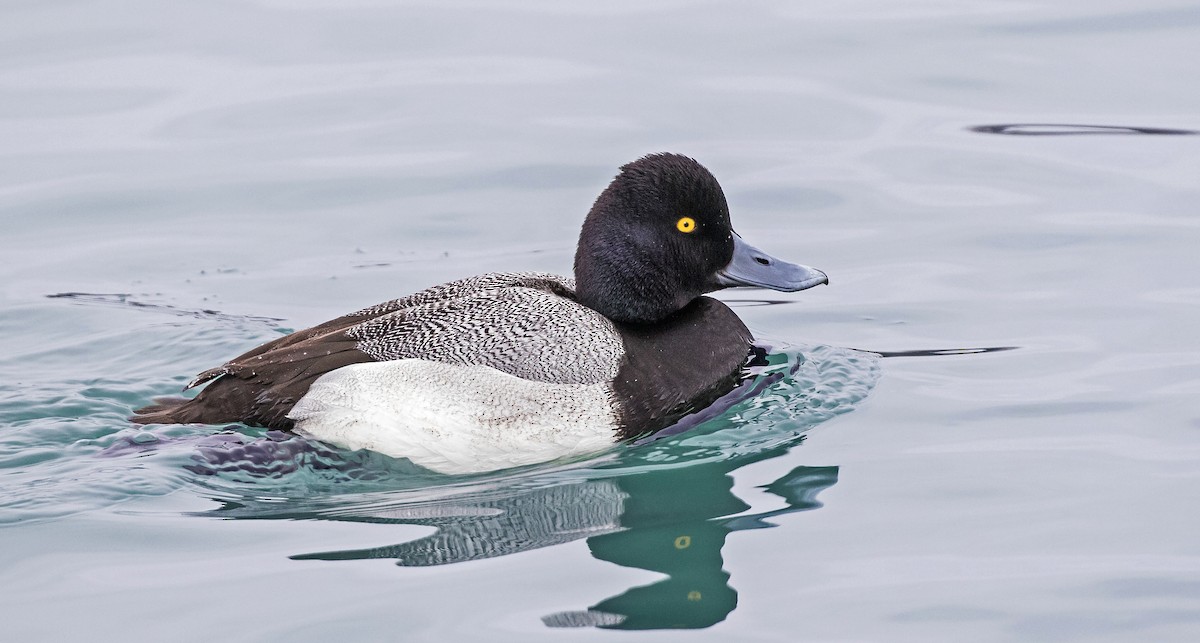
[(433, 295), (260, 387), (516, 323)]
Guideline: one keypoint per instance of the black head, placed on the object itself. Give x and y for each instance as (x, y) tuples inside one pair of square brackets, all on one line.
[(659, 236)]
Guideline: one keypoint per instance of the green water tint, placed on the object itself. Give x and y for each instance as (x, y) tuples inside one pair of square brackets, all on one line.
[(665, 505)]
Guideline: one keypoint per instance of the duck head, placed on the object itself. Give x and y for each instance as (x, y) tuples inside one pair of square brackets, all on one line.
[(659, 236)]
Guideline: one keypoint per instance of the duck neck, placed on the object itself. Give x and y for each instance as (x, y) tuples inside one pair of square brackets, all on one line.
[(617, 292)]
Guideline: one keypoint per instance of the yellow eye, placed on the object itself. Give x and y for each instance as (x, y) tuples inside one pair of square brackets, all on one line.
[(686, 225)]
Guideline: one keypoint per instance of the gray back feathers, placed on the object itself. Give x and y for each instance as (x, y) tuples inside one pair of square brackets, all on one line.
[(524, 324)]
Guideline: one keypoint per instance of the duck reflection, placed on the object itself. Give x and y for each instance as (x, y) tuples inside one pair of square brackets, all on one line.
[(677, 526), (671, 520)]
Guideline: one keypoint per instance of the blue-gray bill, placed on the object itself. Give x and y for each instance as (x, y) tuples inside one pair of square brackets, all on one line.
[(753, 267)]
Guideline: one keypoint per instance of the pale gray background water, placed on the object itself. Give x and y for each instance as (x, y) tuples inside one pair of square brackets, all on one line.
[(297, 160)]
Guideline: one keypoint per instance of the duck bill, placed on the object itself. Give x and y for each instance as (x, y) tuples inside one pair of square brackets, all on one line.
[(753, 267)]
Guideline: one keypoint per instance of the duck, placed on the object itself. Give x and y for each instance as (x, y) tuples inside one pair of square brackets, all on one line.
[(508, 369)]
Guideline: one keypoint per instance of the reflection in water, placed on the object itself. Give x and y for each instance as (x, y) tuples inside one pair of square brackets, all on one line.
[(671, 520), (664, 505), (675, 523)]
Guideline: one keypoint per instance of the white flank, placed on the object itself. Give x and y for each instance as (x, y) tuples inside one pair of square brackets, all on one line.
[(452, 418)]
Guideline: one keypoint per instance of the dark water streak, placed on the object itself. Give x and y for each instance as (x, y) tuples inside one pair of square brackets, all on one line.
[(136, 301), (1062, 129)]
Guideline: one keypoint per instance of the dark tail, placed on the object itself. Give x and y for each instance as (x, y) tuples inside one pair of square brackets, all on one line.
[(220, 403), (165, 410)]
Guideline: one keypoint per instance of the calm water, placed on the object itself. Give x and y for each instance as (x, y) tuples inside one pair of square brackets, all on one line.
[(181, 181)]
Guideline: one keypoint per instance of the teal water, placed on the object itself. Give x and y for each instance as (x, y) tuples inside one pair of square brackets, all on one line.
[(180, 182)]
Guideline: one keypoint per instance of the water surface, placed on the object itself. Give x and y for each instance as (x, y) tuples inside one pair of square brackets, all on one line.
[(180, 182)]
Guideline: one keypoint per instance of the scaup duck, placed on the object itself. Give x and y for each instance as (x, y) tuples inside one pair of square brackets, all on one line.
[(506, 369)]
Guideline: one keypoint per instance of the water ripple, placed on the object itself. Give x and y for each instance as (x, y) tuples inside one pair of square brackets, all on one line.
[(73, 452)]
